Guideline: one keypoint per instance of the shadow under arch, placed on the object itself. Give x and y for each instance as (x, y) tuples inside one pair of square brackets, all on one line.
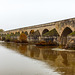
[(66, 31), (64, 35), (45, 31), (31, 32), (37, 33), (26, 32)]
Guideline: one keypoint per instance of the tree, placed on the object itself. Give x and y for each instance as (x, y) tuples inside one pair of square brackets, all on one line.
[(32, 31), (23, 37), (7, 38), (1, 30)]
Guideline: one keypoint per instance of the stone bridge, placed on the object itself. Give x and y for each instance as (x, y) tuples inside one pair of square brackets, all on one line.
[(63, 27)]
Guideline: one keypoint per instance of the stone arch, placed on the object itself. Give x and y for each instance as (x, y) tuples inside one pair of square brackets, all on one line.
[(15, 32), (64, 35), (26, 32), (31, 32), (45, 31), (12, 33), (37, 33), (22, 31), (66, 31), (18, 32), (61, 29)]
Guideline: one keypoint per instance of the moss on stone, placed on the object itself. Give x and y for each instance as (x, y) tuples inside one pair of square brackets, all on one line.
[(72, 34), (51, 33)]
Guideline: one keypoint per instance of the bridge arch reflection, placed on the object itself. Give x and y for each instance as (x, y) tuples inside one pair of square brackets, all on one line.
[(63, 61)]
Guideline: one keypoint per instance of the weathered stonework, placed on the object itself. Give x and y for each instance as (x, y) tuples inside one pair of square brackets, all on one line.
[(59, 26)]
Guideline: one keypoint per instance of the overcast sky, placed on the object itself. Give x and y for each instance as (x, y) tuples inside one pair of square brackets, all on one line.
[(22, 13)]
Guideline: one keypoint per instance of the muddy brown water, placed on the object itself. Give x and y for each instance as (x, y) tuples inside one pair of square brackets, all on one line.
[(22, 59)]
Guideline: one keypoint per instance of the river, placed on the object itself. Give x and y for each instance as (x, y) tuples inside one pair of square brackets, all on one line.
[(22, 59)]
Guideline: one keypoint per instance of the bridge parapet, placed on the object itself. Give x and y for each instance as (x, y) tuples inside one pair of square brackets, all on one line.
[(58, 25)]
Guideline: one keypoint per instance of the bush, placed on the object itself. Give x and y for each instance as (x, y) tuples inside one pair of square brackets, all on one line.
[(43, 43), (23, 38), (7, 38), (32, 31), (16, 41), (3, 38)]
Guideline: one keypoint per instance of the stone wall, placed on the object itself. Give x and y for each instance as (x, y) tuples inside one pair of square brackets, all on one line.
[(58, 25)]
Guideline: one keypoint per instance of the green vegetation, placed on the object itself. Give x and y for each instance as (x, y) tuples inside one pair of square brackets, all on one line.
[(51, 33), (1, 30), (17, 37), (34, 34), (23, 38), (72, 34), (32, 31), (26, 32), (3, 39), (7, 38), (17, 34), (44, 43)]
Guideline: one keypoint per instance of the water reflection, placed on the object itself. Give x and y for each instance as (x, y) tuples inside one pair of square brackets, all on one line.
[(63, 61)]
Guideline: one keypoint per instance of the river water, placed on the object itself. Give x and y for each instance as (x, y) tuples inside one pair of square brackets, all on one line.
[(22, 59)]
